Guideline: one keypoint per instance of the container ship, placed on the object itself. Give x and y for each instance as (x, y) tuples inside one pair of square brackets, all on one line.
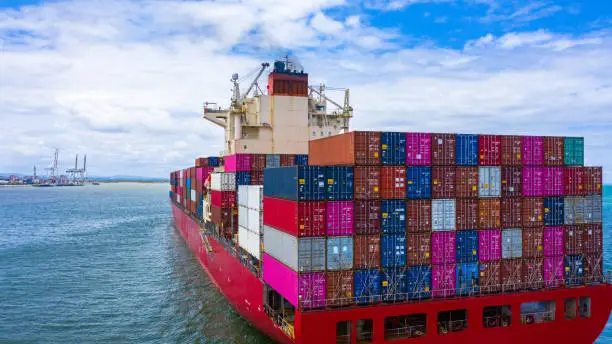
[(318, 234)]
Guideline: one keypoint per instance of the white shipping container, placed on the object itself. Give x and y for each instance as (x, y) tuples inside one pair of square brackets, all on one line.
[(243, 216), (250, 196), (250, 242), (242, 195), (512, 243), (193, 195), (254, 221), (443, 212), (489, 181), (178, 198), (223, 181)]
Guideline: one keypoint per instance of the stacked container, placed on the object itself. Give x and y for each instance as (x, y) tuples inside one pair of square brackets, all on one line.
[(250, 219)]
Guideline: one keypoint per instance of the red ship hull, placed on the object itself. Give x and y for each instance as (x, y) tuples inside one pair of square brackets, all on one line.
[(245, 292)]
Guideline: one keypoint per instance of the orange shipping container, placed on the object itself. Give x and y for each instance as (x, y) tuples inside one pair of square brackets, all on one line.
[(511, 149), (367, 251), (490, 277), (553, 151), (418, 248), (418, 216), (393, 182), (443, 181), (489, 213), (511, 274), (467, 214), (443, 149), (533, 212), (354, 148), (367, 182), (573, 239), (339, 288), (467, 182), (533, 242)]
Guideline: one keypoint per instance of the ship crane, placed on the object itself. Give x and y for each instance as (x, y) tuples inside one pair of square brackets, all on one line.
[(318, 108)]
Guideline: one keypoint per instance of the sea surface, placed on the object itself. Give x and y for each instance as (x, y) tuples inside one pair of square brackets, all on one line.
[(105, 264)]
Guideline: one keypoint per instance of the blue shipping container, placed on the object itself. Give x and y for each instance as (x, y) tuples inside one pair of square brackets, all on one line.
[(295, 183), (367, 286), (418, 182), (393, 148), (188, 184), (553, 211), (172, 195), (272, 160), (339, 183), (394, 284), (213, 161), (243, 178), (467, 278), (467, 246), (340, 253), (467, 150), (393, 216), (419, 282), (393, 250), (300, 160), (574, 272)]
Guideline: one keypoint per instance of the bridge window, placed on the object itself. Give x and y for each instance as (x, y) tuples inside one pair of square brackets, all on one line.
[(585, 307), (343, 332), (496, 316), (365, 327), (405, 326), (570, 309), (452, 321), (538, 312)]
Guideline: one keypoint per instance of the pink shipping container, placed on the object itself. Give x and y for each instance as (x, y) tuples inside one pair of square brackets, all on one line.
[(553, 181), (443, 280), (533, 181), (553, 271), (418, 149), (312, 289), (443, 247), (553, 241), (339, 218), (533, 151), (489, 245), (237, 163)]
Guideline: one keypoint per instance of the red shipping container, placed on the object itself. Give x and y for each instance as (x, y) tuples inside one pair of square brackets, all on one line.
[(592, 180), (366, 215), (223, 199), (593, 239), (301, 219), (467, 182), (287, 159), (593, 268), (443, 149), (418, 249), (490, 277), (511, 213), (533, 242), (533, 212), (367, 251), (511, 274), (257, 177), (533, 273), (467, 214), (354, 148), (573, 239), (443, 181), (339, 288), (418, 216), (489, 150), (511, 150), (512, 181), (367, 182), (393, 182), (489, 211), (573, 181), (258, 162), (553, 151)]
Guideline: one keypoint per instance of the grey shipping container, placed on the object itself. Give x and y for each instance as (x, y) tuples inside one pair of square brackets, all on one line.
[(302, 255), (311, 255), (443, 214), (575, 210), (593, 209), (340, 253), (272, 160), (489, 181), (512, 243)]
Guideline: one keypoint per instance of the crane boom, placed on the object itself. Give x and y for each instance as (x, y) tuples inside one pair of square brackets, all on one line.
[(264, 65)]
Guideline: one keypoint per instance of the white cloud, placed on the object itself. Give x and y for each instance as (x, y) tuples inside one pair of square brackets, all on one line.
[(324, 24), (540, 39), (530, 12)]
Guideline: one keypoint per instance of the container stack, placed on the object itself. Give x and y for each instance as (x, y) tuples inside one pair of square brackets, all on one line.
[(250, 219)]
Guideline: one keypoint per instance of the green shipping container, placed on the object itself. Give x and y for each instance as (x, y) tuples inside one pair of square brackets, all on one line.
[(574, 151)]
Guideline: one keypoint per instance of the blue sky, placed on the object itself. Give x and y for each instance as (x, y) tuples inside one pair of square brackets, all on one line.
[(124, 80)]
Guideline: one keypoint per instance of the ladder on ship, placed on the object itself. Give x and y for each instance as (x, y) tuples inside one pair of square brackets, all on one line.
[(205, 240)]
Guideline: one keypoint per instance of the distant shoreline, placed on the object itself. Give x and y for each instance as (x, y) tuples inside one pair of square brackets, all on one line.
[(92, 181)]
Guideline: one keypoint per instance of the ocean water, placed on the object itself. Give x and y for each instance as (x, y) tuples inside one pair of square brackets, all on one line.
[(104, 264)]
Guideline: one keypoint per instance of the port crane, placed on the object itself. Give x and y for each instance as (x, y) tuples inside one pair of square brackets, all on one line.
[(76, 175)]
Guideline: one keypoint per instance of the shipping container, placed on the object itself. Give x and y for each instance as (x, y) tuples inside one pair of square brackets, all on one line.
[(237, 163), (489, 213), (573, 181), (394, 284), (511, 213), (295, 183), (354, 148), (339, 288), (489, 150), (467, 182), (366, 182), (339, 218), (249, 241), (573, 270), (554, 245), (553, 181), (418, 216), (575, 210), (592, 180), (467, 150), (467, 246), (223, 199), (258, 162), (366, 216), (443, 214), (367, 251), (393, 250), (573, 240), (418, 182), (512, 181), (299, 254), (489, 181), (443, 149), (443, 247), (339, 253), (573, 151), (533, 150), (553, 151), (533, 212), (221, 182), (489, 277), (593, 268), (339, 182), (511, 274), (367, 286), (311, 289), (467, 279), (211, 161), (418, 149), (243, 178), (593, 239), (418, 249), (533, 181), (392, 182), (393, 148), (511, 150), (512, 243), (533, 273), (489, 245), (302, 219), (533, 242), (393, 216), (257, 177), (418, 282), (273, 160), (443, 280), (300, 159), (467, 214), (593, 213), (443, 182), (288, 160)]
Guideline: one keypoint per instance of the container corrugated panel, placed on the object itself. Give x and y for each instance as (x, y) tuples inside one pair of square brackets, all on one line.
[(553, 181), (533, 273), (553, 151), (418, 182), (592, 180), (249, 241), (339, 288), (467, 214), (553, 241), (418, 149), (393, 148), (393, 182), (354, 148), (533, 212), (512, 181), (394, 284), (223, 199), (467, 150), (367, 182), (467, 281), (553, 271), (367, 286), (443, 280), (288, 160), (573, 181), (489, 181), (366, 216), (340, 253), (443, 214), (258, 162), (489, 213), (489, 245), (467, 246), (242, 216), (393, 250), (418, 216), (533, 150), (302, 219), (511, 150), (593, 268), (593, 239), (574, 210), (418, 249), (282, 279), (553, 211), (573, 240), (312, 290), (512, 243), (489, 276), (303, 255), (339, 218), (300, 159), (533, 181), (443, 247), (367, 251), (257, 178), (295, 183), (511, 213), (594, 209), (467, 182), (443, 182), (573, 154), (418, 282), (489, 150), (393, 216), (243, 178), (511, 274), (273, 160), (533, 242), (339, 182), (237, 162)]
